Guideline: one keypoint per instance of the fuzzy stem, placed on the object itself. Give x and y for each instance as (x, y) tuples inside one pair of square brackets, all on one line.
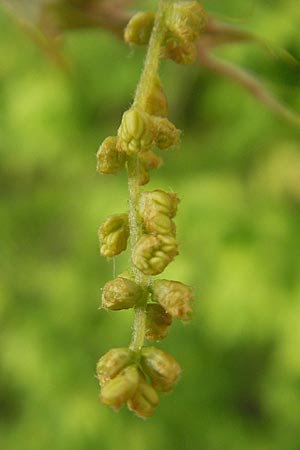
[(145, 84), (139, 325), (152, 58)]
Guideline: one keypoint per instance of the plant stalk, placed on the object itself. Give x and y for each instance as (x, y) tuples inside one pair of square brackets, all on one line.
[(145, 84)]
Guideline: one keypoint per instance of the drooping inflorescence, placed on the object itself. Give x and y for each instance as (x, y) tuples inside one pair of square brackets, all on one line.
[(133, 375)]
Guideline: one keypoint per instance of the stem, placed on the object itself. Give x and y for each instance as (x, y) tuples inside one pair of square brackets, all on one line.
[(144, 86), (152, 58)]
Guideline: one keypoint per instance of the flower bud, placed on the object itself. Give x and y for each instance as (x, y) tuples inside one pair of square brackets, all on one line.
[(157, 322), (162, 369), (113, 234), (174, 297), (110, 364), (143, 402), (139, 28), (167, 134), (159, 224), (185, 20), (152, 254), (109, 160), (162, 224), (119, 389), (150, 160), (156, 208), (158, 202), (120, 293), (143, 177), (156, 102), (147, 161), (136, 132), (179, 51)]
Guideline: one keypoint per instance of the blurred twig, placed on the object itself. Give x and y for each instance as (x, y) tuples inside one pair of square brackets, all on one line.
[(54, 17), (249, 82), (217, 34)]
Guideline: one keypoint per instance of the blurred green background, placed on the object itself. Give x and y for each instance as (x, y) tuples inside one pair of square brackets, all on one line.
[(238, 175)]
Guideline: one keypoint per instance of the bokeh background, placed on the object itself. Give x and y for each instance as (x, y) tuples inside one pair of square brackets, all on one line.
[(238, 175)]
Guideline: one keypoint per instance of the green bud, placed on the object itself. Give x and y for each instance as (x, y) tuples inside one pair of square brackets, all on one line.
[(118, 390), (162, 369), (139, 28), (136, 132), (110, 364), (158, 202), (156, 102), (113, 234), (147, 161), (143, 177), (152, 254), (167, 134), (120, 293), (157, 322), (179, 51), (159, 224), (109, 159), (185, 20), (156, 209), (174, 297), (143, 402)]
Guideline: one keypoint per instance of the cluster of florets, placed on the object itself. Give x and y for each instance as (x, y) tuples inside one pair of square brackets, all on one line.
[(127, 376), (134, 378), (184, 22), (138, 133), (125, 379)]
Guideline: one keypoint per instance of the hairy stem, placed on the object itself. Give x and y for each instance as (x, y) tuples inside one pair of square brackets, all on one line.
[(145, 84)]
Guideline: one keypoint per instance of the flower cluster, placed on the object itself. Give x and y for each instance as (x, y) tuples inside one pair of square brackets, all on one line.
[(184, 23), (134, 375), (123, 378)]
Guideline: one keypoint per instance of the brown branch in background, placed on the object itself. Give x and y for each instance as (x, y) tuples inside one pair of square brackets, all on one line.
[(217, 33), (46, 21), (52, 18), (66, 15), (249, 82)]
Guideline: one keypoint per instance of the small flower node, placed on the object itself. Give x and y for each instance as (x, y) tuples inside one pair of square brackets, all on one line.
[(143, 402), (152, 254), (147, 161), (180, 52), (185, 21), (174, 297), (118, 390), (162, 369), (110, 364), (113, 234), (109, 159), (156, 103), (157, 322), (167, 134), (136, 132), (139, 28), (120, 293)]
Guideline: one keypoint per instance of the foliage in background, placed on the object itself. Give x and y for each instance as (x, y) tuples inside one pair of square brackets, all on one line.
[(238, 174)]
